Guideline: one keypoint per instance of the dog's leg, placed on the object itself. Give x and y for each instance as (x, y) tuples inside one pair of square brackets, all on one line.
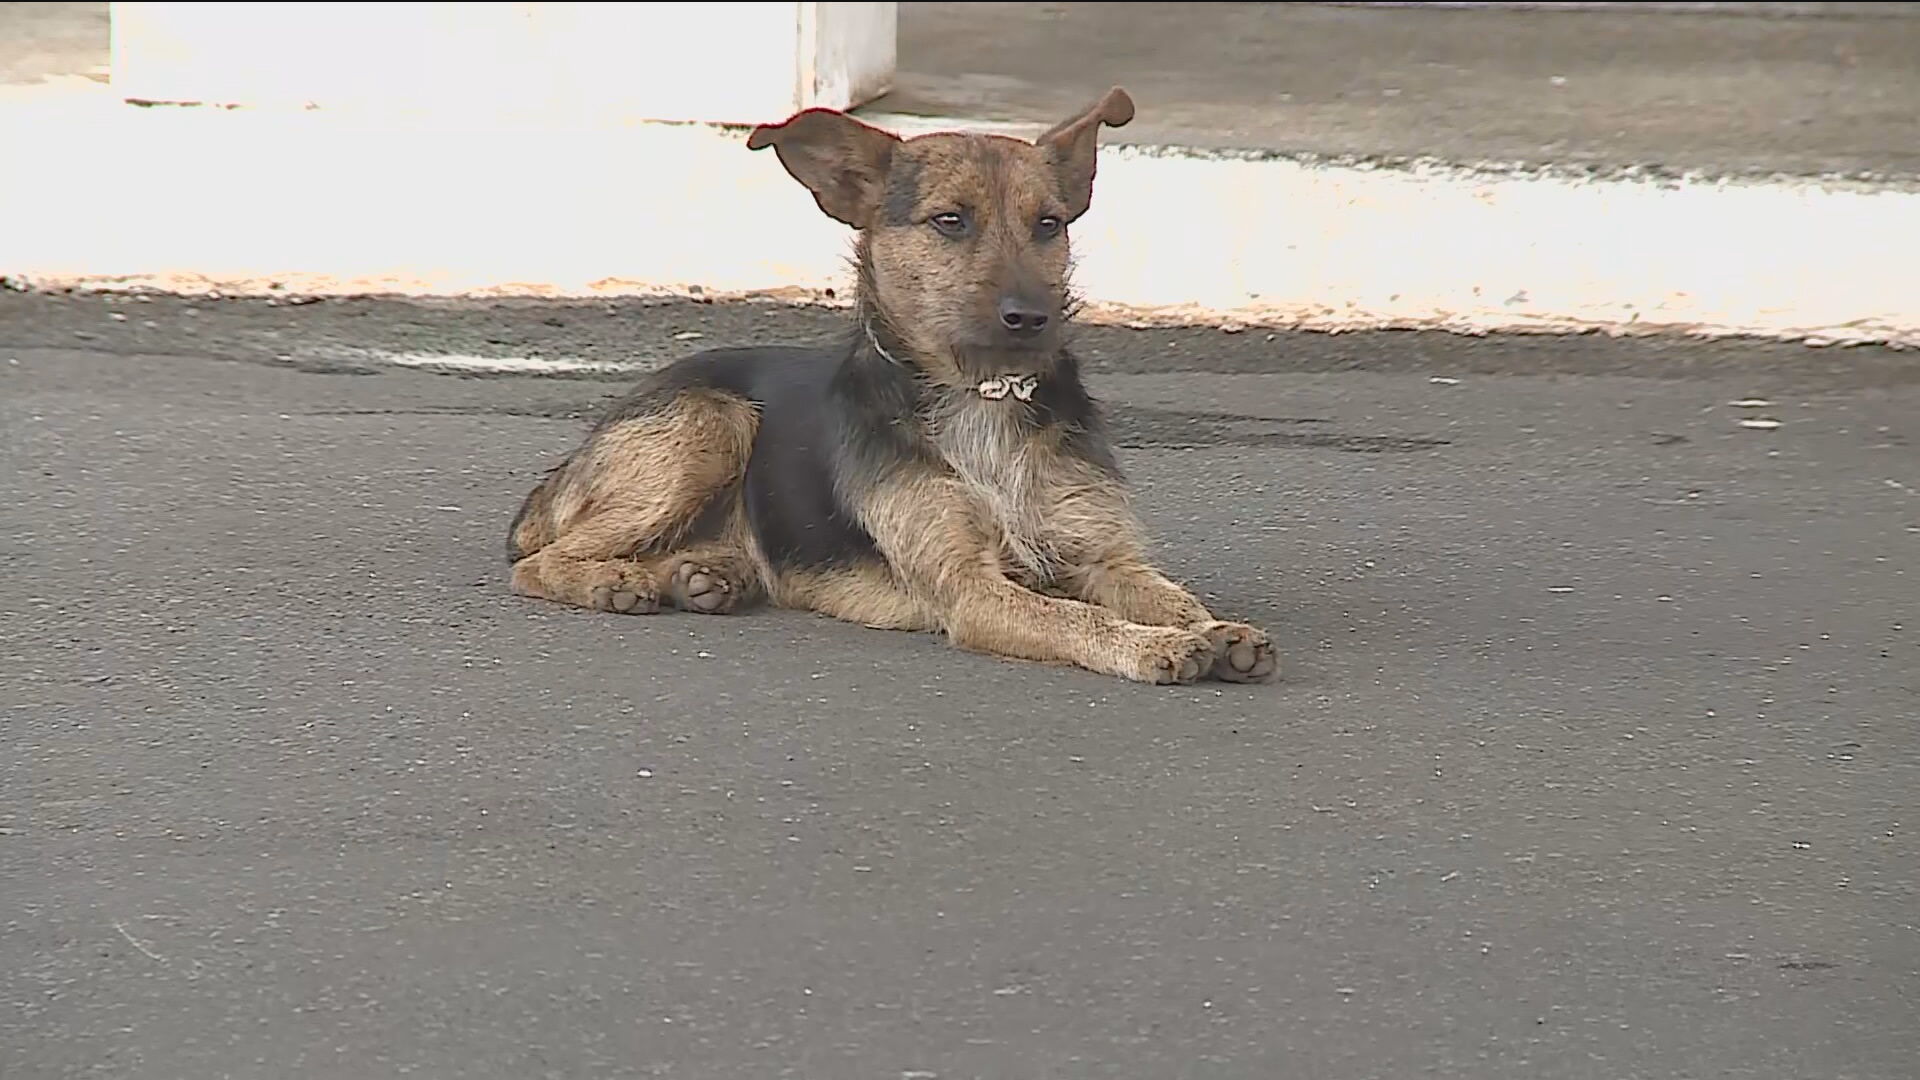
[(712, 578), (619, 515), (868, 595), (1135, 590), (929, 533), (588, 566), (985, 612), (706, 578), (1108, 566)]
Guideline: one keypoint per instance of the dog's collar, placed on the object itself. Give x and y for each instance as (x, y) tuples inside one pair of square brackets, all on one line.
[(998, 388), (1020, 386)]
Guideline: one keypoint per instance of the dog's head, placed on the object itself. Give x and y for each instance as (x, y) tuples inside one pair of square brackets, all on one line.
[(963, 238)]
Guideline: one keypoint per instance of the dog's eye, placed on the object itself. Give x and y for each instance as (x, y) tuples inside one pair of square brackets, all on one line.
[(949, 223), (1048, 226)]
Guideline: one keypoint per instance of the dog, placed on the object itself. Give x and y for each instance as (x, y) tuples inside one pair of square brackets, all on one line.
[(938, 468)]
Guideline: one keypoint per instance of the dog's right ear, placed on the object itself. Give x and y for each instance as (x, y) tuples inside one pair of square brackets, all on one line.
[(841, 160)]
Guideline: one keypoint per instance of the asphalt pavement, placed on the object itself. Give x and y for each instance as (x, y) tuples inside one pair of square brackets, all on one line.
[(1594, 755), (1755, 90), (1747, 90)]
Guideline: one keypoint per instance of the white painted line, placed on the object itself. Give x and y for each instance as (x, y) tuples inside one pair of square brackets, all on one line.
[(497, 365)]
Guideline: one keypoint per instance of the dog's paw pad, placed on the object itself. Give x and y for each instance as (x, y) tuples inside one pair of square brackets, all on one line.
[(702, 589), (1241, 653), (623, 598)]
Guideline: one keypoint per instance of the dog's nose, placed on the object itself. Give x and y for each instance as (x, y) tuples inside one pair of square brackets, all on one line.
[(1021, 317)]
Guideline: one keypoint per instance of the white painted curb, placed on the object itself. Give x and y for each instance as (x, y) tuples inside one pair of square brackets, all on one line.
[(101, 194)]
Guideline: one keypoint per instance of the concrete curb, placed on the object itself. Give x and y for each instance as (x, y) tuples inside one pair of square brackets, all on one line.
[(262, 201)]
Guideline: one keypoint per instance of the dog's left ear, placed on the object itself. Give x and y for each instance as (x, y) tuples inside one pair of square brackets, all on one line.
[(841, 160), (1073, 146)]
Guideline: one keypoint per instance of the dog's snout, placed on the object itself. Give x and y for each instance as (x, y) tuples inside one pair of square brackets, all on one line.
[(1022, 317)]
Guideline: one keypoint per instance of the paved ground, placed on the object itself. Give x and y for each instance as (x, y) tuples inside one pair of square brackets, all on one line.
[(1732, 89), (40, 41), (1595, 756), (1730, 93)]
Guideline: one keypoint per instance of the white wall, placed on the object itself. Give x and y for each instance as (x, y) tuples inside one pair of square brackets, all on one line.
[(733, 63)]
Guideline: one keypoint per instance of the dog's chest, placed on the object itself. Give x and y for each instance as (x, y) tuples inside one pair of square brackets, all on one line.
[(992, 452)]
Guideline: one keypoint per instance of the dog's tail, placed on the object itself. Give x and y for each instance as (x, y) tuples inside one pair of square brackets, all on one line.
[(533, 527)]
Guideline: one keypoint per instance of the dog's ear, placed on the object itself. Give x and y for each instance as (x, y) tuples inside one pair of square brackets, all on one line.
[(841, 160), (1072, 147)]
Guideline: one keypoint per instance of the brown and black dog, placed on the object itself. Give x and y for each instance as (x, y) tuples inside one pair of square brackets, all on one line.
[(942, 468)]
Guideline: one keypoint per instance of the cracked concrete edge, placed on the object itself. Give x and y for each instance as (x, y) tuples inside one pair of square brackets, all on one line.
[(1178, 238)]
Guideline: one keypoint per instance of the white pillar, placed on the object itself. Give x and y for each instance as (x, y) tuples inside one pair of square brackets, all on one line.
[(737, 63)]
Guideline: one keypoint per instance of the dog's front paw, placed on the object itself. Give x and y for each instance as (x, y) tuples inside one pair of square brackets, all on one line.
[(1172, 655), (622, 589), (706, 590), (1241, 653)]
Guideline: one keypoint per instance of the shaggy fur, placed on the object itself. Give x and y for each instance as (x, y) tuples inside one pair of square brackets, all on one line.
[(939, 468)]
